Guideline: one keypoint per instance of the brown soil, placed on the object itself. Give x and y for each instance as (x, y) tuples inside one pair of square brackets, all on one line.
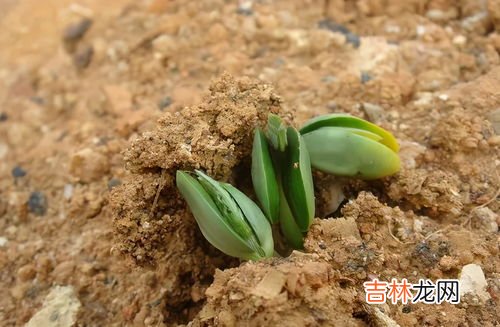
[(101, 102)]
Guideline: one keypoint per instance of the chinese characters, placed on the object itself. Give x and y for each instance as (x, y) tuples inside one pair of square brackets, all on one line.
[(425, 291)]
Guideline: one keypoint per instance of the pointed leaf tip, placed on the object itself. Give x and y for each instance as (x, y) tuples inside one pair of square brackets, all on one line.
[(264, 177), (297, 180)]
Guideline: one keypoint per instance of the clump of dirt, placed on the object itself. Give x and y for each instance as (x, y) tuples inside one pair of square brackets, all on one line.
[(434, 192), (215, 136), (374, 240), (296, 291)]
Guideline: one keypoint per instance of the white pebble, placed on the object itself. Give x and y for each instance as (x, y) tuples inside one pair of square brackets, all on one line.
[(68, 191), (459, 40), (472, 281), (395, 29), (4, 149), (443, 97), (245, 5), (165, 45), (59, 308), (420, 30), (487, 219)]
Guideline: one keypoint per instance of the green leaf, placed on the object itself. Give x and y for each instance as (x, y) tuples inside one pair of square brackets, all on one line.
[(228, 208), (212, 225), (264, 179), (297, 180), (364, 133), (338, 151), (276, 132), (345, 120), (288, 226), (256, 219)]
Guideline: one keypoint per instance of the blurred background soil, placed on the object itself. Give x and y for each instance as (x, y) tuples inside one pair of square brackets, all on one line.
[(101, 101)]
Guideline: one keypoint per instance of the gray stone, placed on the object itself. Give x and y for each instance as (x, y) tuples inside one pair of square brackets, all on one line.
[(494, 118), (59, 309), (374, 112)]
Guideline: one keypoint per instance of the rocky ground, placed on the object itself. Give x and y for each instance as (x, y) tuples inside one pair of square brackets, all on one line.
[(101, 101)]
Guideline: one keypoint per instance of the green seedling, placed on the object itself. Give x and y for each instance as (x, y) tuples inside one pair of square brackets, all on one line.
[(282, 179), (276, 132), (282, 157), (344, 145), (288, 225), (227, 218), (264, 177), (297, 180)]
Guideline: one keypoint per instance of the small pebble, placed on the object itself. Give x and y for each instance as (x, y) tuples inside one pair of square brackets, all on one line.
[(113, 182), (443, 97), (164, 103), (3, 116), (18, 171), (245, 8), (88, 164), (26, 272), (374, 112), (473, 281), (494, 118), (37, 203), (424, 254), (365, 77), (353, 39), (279, 62), (165, 46), (60, 308), (4, 149), (485, 219), (459, 40), (473, 23), (334, 27), (332, 105), (38, 100), (406, 309), (328, 79), (3, 241), (68, 191), (83, 57), (494, 140), (76, 31), (395, 29), (244, 12), (260, 52), (420, 30)]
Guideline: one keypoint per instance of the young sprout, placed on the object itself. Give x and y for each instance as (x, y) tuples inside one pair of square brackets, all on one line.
[(264, 179), (276, 132), (297, 180), (227, 218), (282, 179), (288, 225), (282, 157), (344, 145)]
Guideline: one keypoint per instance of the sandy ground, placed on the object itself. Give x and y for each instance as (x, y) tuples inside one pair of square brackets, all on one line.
[(102, 101)]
